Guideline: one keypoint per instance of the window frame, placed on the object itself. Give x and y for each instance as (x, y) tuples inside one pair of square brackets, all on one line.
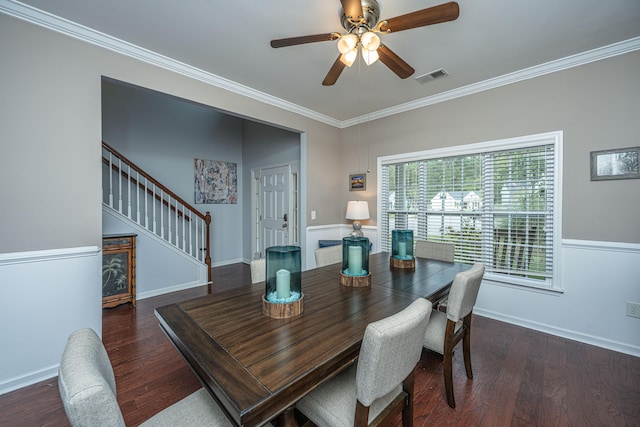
[(555, 139)]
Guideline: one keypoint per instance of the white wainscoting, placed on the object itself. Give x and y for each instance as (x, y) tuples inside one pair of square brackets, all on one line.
[(598, 279), (335, 232), (44, 296), (160, 267)]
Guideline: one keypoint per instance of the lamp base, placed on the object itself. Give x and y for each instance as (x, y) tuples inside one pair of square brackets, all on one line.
[(357, 229), (355, 281), (284, 310), (402, 263)]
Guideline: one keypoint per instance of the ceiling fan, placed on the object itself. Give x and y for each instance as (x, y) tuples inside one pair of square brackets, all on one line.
[(360, 21)]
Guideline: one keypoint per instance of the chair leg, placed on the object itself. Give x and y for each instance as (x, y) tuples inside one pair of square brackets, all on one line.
[(407, 411), (466, 346), (362, 415), (448, 363)]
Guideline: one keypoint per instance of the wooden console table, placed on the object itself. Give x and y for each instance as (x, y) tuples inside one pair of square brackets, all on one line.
[(118, 269)]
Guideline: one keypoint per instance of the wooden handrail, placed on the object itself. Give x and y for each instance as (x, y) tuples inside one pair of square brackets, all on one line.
[(205, 217)]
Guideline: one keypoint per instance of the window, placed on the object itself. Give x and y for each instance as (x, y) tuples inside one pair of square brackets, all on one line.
[(498, 202)]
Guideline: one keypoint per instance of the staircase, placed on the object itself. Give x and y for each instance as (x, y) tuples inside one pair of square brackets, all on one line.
[(134, 194)]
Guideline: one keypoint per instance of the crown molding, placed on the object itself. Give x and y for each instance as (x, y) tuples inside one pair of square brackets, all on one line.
[(52, 22), (38, 17), (583, 58)]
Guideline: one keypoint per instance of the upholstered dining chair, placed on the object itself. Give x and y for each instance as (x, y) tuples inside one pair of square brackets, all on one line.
[(440, 251), (328, 255), (446, 330), (380, 385), (88, 391), (258, 270)]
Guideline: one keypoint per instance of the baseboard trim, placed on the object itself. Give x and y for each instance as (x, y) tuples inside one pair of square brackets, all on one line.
[(169, 289), (560, 332)]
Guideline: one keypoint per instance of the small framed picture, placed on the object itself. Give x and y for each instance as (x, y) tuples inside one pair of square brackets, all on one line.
[(358, 182), (615, 164)]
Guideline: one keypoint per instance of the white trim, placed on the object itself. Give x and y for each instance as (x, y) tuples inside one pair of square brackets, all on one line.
[(48, 255), (169, 289), (561, 332), (52, 22), (576, 60), (600, 246), (555, 138)]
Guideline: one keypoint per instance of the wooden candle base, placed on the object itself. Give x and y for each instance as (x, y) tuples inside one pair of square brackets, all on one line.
[(284, 310), (402, 263), (355, 281)]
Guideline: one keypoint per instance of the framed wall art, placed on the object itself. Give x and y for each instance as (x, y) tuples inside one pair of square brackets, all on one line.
[(358, 182), (215, 182), (620, 163)]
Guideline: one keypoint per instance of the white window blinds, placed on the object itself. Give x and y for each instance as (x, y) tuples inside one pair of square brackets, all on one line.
[(496, 206)]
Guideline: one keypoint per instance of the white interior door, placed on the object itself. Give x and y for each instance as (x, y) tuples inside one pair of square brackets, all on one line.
[(274, 207)]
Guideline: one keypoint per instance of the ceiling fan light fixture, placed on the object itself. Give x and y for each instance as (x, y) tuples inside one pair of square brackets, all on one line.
[(370, 56), (370, 41), (350, 57), (347, 43)]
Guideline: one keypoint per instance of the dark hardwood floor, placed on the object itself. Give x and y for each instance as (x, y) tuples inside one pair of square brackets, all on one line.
[(521, 377)]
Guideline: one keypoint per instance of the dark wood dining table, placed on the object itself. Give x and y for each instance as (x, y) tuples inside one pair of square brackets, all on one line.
[(257, 367)]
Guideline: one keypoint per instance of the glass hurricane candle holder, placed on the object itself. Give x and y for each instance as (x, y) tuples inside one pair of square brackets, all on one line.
[(402, 249), (283, 277), (355, 262)]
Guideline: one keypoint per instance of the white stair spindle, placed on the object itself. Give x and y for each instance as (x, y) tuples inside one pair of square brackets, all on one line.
[(129, 178), (110, 180), (120, 185)]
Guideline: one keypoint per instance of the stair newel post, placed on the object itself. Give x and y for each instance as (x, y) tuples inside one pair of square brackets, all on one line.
[(207, 258)]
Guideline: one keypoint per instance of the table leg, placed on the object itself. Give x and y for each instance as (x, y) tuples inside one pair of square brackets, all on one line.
[(287, 418)]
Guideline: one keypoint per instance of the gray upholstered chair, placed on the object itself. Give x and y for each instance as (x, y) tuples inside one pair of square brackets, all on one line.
[(380, 386), (328, 255), (439, 251), (88, 391), (435, 250), (446, 330), (258, 270)]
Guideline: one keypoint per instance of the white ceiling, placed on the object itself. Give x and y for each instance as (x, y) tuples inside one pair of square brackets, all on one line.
[(493, 42)]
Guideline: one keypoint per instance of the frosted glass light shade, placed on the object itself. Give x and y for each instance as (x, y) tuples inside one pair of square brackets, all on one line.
[(370, 41), (370, 56), (347, 43), (349, 58)]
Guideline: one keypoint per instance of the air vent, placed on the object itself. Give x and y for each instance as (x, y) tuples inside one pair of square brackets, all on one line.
[(431, 76)]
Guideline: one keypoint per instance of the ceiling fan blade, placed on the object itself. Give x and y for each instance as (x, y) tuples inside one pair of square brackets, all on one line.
[(292, 41), (429, 16), (394, 62), (353, 9), (334, 72)]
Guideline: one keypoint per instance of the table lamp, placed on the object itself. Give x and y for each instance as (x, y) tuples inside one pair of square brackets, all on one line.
[(357, 210)]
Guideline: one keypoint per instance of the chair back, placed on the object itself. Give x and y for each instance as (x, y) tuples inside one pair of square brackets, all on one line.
[(464, 292), (87, 383), (390, 350), (258, 270), (439, 251), (328, 255)]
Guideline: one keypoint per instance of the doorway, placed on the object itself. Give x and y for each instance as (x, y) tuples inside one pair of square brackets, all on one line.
[(275, 210)]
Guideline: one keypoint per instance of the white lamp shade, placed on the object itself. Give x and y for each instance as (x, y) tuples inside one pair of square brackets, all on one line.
[(357, 210)]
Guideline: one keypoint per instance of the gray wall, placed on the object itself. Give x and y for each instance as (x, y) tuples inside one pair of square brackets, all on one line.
[(596, 105), (163, 135), (50, 133)]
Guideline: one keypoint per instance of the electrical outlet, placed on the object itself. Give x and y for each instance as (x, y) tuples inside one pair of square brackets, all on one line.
[(633, 309), (313, 214)]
